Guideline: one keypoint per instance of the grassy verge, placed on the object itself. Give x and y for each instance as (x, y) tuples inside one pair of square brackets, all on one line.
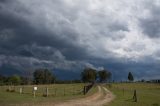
[(57, 92), (148, 94)]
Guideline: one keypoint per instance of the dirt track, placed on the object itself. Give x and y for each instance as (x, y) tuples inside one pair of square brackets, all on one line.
[(103, 96)]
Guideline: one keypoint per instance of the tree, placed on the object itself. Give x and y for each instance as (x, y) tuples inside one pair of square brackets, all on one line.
[(28, 77), (25, 81), (2, 79), (15, 80), (43, 76), (130, 77), (88, 75), (103, 75)]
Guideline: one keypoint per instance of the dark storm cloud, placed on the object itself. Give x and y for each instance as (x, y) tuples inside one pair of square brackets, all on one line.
[(16, 32), (71, 35), (151, 24), (31, 47)]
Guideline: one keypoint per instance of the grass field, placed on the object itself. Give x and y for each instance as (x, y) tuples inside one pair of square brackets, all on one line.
[(57, 92), (147, 94)]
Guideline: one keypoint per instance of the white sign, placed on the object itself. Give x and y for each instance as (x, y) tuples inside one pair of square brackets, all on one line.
[(20, 90), (35, 88)]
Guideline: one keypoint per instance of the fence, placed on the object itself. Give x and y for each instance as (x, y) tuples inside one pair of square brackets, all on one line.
[(133, 92), (136, 95), (44, 90), (87, 88)]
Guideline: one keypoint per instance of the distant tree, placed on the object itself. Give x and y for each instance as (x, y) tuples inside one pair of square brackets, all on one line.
[(43, 76), (2, 80), (15, 80), (104, 75), (130, 77), (25, 81), (76, 81), (89, 75), (28, 77), (142, 80)]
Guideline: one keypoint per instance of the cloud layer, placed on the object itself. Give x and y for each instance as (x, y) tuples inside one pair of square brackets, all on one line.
[(119, 35)]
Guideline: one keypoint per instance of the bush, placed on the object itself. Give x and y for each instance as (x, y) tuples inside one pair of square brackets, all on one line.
[(7, 90), (109, 85), (44, 95), (12, 90)]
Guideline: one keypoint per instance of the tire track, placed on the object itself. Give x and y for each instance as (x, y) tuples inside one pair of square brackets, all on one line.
[(103, 96)]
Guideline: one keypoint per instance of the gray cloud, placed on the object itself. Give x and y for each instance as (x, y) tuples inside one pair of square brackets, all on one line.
[(71, 35), (151, 24)]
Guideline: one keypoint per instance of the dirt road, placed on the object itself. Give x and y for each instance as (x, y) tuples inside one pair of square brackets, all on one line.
[(103, 96)]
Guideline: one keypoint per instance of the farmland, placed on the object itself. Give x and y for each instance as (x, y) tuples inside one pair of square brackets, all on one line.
[(147, 94), (57, 92)]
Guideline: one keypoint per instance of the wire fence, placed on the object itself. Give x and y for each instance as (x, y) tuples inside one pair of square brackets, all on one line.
[(50, 90), (136, 96)]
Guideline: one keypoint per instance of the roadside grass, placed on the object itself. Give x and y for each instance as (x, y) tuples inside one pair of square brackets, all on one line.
[(57, 93), (147, 94)]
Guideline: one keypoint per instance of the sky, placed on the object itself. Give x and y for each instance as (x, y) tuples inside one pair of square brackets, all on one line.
[(66, 36)]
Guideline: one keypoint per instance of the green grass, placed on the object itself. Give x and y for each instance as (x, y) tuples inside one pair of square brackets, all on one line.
[(57, 92), (147, 94)]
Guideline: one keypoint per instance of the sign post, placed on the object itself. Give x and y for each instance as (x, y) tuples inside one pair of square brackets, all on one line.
[(34, 91), (20, 90)]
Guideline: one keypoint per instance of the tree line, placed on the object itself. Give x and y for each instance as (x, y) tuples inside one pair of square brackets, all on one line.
[(39, 76), (45, 76), (92, 75)]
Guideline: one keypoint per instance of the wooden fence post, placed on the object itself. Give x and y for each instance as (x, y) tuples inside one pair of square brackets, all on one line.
[(9, 88), (135, 96), (14, 89), (22, 89), (123, 91), (64, 92), (55, 91), (84, 90), (34, 93), (46, 92), (73, 91)]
